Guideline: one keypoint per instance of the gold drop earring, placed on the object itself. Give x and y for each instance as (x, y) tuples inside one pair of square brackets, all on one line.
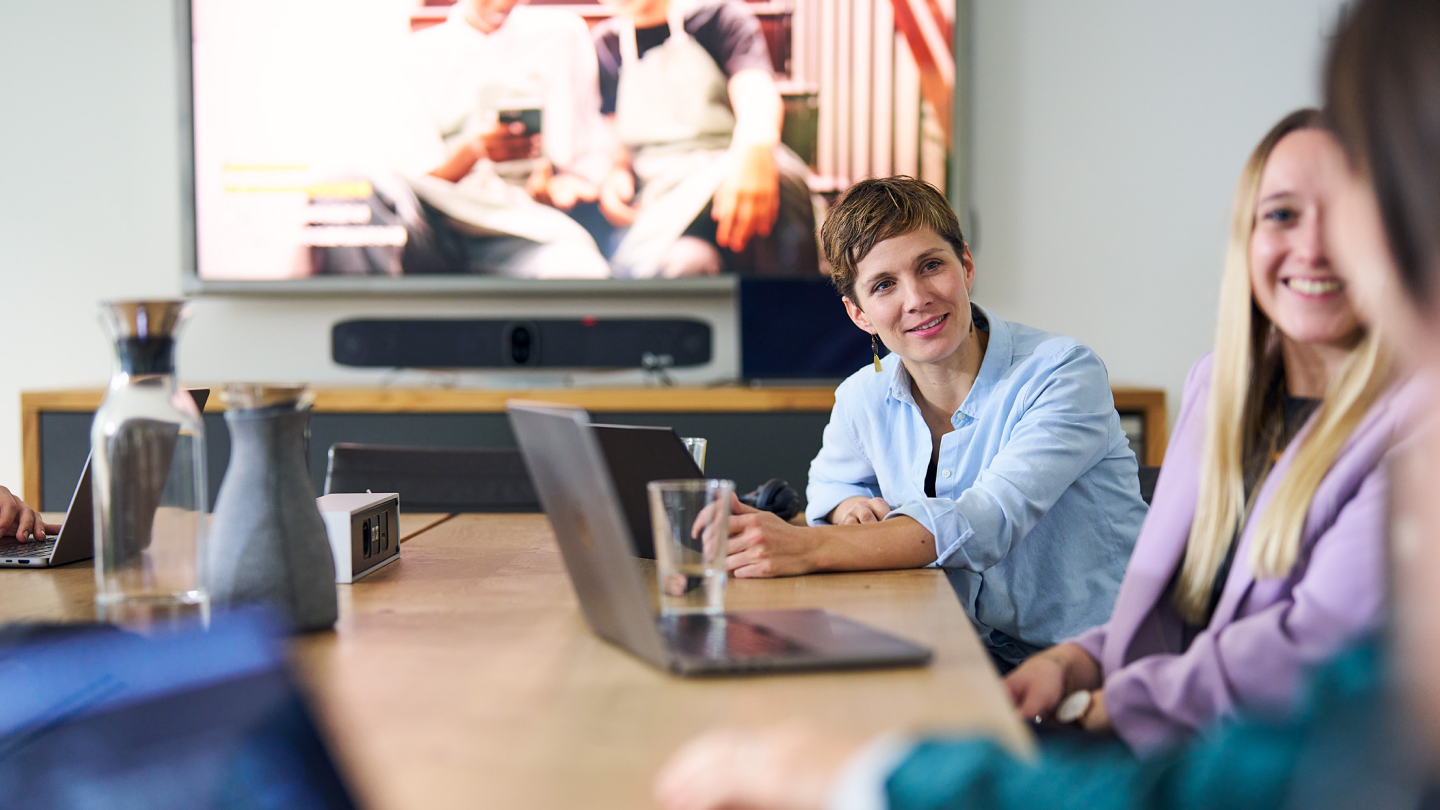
[(875, 347)]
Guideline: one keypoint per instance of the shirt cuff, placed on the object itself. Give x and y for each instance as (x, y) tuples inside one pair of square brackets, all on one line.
[(1091, 641), (861, 785), (942, 518)]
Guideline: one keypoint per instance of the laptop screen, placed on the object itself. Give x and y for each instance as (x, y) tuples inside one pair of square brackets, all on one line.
[(636, 456)]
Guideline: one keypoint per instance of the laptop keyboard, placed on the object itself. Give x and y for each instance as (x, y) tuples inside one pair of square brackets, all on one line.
[(34, 548)]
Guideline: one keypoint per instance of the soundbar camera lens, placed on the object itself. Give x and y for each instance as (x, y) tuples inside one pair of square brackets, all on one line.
[(520, 345)]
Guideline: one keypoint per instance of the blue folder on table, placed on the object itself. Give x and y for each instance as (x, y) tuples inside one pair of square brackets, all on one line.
[(100, 718)]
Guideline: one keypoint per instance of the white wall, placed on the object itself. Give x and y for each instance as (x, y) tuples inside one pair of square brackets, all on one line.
[(1108, 137)]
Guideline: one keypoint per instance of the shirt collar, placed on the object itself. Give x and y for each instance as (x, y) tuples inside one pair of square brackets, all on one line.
[(992, 367), (899, 381)]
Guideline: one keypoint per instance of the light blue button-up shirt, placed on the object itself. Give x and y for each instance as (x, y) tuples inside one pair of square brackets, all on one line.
[(1037, 501)]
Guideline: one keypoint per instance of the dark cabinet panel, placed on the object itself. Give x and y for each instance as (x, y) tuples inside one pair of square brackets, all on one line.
[(748, 448)]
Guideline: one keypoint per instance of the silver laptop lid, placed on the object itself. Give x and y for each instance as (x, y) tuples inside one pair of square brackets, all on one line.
[(76, 539), (573, 482)]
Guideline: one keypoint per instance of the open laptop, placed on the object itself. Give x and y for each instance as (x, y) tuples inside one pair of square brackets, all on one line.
[(569, 470), (636, 456), (76, 540), (73, 543)]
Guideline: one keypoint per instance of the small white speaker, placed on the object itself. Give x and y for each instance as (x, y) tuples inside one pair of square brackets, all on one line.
[(364, 530)]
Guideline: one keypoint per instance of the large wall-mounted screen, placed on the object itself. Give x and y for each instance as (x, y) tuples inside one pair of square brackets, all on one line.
[(485, 139), (387, 138)]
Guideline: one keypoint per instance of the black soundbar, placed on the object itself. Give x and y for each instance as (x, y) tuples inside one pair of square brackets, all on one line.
[(577, 343)]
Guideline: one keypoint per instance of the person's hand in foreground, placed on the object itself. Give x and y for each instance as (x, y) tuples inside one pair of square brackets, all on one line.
[(18, 520), (748, 200), (786, 768), (1037, 686), (859, 509)]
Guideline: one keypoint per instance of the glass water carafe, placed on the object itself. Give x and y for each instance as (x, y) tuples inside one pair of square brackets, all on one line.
[(147, 449)]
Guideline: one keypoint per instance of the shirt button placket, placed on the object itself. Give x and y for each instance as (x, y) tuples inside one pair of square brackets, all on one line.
[(963, 433)]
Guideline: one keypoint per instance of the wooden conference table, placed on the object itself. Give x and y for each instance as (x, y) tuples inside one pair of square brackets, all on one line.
[(465, 676)]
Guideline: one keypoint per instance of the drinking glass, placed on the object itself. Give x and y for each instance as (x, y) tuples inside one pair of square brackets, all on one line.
[(696, 446), (691, 519)]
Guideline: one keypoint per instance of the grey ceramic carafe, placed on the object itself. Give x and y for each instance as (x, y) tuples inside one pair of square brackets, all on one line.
[(267, 543)]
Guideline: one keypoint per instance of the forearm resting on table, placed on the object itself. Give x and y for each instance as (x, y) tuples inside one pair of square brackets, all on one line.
[(898, 543), (763, 545)]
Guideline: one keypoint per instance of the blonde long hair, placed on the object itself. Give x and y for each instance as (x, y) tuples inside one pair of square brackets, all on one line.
[(1246, 369)]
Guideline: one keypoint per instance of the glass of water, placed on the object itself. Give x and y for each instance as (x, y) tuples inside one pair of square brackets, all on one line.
[(691, 519)]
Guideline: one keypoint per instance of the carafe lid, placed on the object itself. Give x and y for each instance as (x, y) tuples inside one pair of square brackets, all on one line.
[(144, 320), (249, 396)]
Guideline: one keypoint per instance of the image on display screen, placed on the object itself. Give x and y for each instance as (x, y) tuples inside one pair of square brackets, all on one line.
[(395, 138)]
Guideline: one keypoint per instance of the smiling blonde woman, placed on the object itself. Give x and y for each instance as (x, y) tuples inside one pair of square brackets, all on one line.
[(1264, 551)]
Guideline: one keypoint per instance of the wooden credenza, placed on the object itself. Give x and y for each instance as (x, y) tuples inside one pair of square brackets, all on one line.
[(754, 433)]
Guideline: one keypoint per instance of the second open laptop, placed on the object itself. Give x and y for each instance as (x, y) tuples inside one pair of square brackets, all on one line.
[(635, 456), (568, 467), (76, 539)]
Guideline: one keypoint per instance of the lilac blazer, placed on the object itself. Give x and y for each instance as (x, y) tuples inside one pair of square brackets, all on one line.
[(1264, 634)]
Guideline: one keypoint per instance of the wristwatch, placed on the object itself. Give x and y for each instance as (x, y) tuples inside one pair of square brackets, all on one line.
[(1074, 707)]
